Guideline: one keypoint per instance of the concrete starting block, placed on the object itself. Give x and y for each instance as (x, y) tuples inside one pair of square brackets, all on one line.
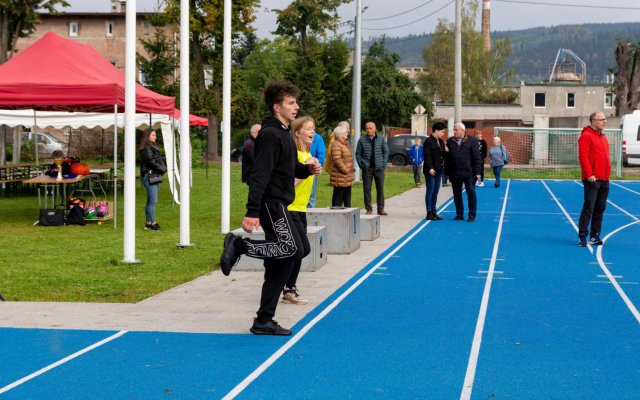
[(343, 227), (369, 227), (317, 258)]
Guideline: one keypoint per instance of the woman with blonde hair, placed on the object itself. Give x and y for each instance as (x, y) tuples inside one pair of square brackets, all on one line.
[(342, 168), (303, 130)]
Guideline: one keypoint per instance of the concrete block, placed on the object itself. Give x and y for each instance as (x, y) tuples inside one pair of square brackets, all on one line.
[(317, 236), (369, 227), (343, 227)]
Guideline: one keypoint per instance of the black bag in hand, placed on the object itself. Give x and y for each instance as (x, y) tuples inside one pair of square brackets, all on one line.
[(51, 217), (154, 179)]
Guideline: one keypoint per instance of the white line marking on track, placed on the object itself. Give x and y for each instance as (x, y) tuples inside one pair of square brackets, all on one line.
[(625, 188), (609, 275), (495, 272), (467, 387), (604, 276), (60, 362), (566, 214), (601, 262), (614, 204), (296, 338), (621, 282)]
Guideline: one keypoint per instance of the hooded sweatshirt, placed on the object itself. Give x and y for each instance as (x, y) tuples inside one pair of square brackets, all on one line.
[(274, 168)]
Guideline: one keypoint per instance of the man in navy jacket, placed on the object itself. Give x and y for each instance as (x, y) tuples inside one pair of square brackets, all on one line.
[(462, 166)]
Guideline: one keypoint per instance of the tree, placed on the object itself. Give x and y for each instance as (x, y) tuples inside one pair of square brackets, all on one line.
[(18, 19), (206, 38), (159, 69), (388, 96), (627, 75), (482, 70), (304, 18), (338, 81)]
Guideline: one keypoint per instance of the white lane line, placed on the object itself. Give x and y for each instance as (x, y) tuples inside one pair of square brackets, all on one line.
[(602, 264), (566, 214), (612, 279), (60, 362), (625, 188), (296, 338), (615, 205), (467, 387)]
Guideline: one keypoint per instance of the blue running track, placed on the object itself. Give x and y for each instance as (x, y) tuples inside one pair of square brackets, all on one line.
[(508, 307)]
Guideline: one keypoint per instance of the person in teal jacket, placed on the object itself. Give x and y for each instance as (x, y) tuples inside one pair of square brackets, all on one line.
[(372, 155), (416, 154)]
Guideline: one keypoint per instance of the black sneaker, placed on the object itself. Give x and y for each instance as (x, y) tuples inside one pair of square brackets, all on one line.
[(582, 240), (435, 214), (595, 240), (230, 253), (269, 328), (472, 218), (458, 218)]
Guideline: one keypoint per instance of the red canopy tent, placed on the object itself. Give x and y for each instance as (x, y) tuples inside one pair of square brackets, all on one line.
[(60, 74)]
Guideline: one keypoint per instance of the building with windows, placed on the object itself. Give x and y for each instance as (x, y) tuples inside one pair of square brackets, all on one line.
[(104, 31), (542, 105)]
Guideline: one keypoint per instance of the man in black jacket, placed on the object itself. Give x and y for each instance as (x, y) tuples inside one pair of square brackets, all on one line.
[(462, 165), (483, 154), (247, 152), (271, 190)]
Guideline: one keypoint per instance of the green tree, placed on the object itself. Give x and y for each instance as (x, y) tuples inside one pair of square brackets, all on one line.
[(206, 38), (305, 18), (482, 70), (159, 69), (388, 96), (269, 61), (18, 19), (627, 76), (338, 81)]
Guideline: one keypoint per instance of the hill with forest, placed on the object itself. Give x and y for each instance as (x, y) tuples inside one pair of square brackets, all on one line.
[(535, 49)]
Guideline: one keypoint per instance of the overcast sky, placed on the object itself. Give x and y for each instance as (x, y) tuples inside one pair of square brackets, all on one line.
[(505, 14)]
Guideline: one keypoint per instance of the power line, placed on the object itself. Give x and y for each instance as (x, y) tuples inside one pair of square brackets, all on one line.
[(395, 15), (412, 22), (538, 3)]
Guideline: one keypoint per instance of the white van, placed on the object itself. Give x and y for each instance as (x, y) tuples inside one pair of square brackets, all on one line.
[(47, 143), (631, 138)]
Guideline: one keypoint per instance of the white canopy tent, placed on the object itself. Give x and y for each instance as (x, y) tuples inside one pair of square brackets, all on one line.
[(55, 119)]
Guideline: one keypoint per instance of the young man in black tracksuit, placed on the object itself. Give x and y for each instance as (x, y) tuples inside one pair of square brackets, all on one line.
[(271, 190)]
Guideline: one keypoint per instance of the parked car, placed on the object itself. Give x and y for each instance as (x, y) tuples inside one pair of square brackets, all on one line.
[(47, 143), (399, 147), (631, 138), (236, 154)]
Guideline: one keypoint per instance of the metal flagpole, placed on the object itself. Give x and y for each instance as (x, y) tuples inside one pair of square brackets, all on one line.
[(458, 65), (130, 136), (226, 120), (357, 85)]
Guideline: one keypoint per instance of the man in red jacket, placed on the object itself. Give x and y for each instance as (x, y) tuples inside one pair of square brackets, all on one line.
[(593, 152)]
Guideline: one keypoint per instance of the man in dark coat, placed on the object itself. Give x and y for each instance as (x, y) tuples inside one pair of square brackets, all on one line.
[(372, 155), (483, 155), (247, 152), (462, 166)]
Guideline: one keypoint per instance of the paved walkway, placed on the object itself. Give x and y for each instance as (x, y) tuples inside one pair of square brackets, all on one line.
[(220, 304)]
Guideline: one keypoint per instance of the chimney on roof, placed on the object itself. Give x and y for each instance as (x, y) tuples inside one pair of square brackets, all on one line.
[(486, 23), (118, 6)]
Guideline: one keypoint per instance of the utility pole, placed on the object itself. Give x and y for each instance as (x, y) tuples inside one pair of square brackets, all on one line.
[(357, 83), (458, 65)]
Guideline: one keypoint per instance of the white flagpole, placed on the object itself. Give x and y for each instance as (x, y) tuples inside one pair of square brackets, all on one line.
[(226, 119)]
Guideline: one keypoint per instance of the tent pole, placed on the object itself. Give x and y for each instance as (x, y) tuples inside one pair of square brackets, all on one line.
[(35, 137), (115, 166), (185, 167)]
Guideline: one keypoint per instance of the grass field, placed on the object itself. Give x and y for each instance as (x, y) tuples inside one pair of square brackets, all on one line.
[(81, 263)]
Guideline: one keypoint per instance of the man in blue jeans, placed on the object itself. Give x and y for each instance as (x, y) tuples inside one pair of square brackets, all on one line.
[(462, 166)]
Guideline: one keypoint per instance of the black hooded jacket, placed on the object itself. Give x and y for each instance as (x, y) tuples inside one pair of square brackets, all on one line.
[(274, 168)]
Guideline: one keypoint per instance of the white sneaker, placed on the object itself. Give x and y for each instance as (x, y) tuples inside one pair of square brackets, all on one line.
[(481, 184)]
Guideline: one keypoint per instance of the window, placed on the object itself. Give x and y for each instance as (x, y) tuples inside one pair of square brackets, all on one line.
[(571, 100), (608, 100), (109, 29), (145, 28), (539, 100), (74, 29)]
